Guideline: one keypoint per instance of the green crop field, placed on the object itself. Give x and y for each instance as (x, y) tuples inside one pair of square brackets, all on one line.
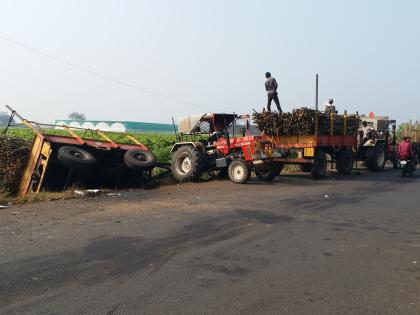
[(159, 144)]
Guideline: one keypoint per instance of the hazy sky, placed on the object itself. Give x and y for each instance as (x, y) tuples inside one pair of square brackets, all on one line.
[(211, 53)]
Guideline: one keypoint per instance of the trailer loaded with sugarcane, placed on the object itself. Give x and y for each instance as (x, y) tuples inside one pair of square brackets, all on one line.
[(309, 138)]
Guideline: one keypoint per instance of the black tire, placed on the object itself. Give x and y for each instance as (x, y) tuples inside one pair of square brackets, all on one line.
[(239, 172), (140, 159), (187, 164), (319, 169), (404, 171), (306, 168), (375, 158), (75, 157), (345, 162), (220, 173), (268, 172), (395, 164)]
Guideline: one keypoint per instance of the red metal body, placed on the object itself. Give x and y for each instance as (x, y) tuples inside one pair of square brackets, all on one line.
[(101, 145), (247, 144)]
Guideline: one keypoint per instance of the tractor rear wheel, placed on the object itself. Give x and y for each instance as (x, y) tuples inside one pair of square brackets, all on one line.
[(320, 165), (268, 172), (239, 172), (187, 164), (345, 162), (375, 158)]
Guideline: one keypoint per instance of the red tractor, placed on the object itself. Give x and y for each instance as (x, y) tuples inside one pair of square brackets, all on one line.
[(222, 145)]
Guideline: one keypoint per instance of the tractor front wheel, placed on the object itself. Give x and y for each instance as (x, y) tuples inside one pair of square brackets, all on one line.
[(239, 172), (375, 158)]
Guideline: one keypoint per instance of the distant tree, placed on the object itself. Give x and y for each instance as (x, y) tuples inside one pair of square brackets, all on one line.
[(4, 119), (77, 116)]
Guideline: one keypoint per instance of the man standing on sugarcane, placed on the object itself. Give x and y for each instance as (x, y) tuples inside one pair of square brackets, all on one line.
[(272, 95)]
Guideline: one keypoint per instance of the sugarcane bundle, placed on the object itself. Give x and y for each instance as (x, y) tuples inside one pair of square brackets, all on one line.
[(14, 154), (301, 122)]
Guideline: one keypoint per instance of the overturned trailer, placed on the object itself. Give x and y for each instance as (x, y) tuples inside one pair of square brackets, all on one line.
[(78, 158)]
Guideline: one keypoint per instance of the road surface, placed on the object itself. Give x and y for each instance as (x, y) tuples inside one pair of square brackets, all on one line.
[(343, 245)]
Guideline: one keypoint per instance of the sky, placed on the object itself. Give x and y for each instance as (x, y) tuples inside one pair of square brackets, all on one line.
[(142, 60)]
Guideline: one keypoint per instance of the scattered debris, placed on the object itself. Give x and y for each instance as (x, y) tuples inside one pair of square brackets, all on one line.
[(88, 192), (113, 194), (92, 192)]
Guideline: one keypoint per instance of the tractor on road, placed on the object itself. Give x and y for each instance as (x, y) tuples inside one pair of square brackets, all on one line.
[(221, 145), (380, 146)]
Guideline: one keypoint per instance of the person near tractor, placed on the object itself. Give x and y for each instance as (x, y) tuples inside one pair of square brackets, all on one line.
[(366, 131), (272, 95), (329, 106), (405, 150)]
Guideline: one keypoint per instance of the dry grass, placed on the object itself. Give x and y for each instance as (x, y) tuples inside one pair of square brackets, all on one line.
[(38, 197)]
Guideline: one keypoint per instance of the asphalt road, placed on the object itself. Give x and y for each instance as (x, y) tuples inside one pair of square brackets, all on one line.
[(344, 245)]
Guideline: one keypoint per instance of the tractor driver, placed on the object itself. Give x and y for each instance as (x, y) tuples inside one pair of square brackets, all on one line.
[(216, 135), (366, 131)]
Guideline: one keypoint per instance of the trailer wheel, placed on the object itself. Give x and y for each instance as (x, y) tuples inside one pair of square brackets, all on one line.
[(375, 158), (187, 164), (239, 171), (269, 172), (345, 162), (140, 159), (320, 165), (75, 157)]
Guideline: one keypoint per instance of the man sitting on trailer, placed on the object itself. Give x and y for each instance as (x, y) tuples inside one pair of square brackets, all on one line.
[(272, 95), (330, 107)]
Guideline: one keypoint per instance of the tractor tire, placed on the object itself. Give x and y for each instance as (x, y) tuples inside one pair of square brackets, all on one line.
[(187, 164), (375, 158), (269, 172), (140, 159), (345, 162), (319, 169), (239, 172), (74, 157)]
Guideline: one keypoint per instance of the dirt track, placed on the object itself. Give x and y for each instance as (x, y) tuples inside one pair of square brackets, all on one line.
[(348, 245)]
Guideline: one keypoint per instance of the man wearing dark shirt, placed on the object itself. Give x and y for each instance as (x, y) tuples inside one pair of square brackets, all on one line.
[(271, 88)]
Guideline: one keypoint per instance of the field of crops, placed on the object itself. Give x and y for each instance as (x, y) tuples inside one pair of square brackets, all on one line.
[(159, 144)]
